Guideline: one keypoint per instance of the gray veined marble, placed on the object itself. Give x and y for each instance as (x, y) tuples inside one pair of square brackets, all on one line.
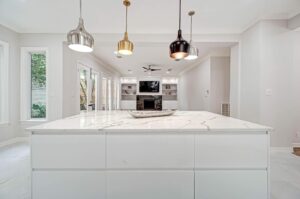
[(111, 121)]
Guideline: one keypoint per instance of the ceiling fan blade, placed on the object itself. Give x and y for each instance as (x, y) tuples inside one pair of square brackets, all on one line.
[(145, 68), (154, 65), (155, 69)]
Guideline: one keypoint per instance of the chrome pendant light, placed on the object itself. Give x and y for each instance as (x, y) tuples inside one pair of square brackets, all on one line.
[(179, 48), (193, 51), (79, 39), (125, 47)]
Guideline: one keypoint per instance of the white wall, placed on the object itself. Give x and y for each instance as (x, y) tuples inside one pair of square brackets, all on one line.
[(235, 81), (270, 79), (219, 83), (206, 85), (70, 77), (250, 74), (10, 130), (193, 87)]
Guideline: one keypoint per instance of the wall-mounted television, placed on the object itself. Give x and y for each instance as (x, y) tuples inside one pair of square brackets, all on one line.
[(149, 87)]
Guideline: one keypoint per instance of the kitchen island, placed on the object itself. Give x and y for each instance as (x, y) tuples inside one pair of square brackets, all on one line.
[(111, 155)]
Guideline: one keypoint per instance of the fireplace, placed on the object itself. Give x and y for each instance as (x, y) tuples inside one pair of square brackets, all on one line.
[(149, 102)]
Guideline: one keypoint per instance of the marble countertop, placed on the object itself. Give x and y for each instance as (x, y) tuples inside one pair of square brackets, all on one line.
[(122, 121)]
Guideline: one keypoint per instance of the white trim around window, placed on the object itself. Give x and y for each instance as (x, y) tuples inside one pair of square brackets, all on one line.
[(25, 82), (4, 83)]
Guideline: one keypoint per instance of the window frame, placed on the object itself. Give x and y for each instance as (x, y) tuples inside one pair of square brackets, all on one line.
[(25, 83), (4, 85)]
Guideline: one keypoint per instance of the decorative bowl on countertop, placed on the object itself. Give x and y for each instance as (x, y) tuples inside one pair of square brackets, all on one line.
[(145, 114)]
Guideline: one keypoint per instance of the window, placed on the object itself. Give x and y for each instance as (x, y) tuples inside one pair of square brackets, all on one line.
[(34, 83), (88, 89), (38, 85), (4, 94)]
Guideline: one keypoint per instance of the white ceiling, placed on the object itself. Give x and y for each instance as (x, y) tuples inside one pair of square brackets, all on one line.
[(158, 54), (145, 16)]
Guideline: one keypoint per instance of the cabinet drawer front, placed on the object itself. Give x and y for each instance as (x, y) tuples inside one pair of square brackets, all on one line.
[(68, 151), (231, 184), (150, 184), (68, 185), (150, 151), (231, 151)]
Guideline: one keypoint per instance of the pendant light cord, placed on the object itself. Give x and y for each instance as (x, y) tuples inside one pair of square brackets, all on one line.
[(191, 29), (126, 18), (80, 8), (179, 14)]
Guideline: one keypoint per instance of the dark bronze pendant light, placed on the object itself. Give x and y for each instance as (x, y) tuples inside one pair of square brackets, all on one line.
[(179, 48)]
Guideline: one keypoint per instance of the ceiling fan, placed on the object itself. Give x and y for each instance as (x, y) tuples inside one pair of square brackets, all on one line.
[(150, 69)]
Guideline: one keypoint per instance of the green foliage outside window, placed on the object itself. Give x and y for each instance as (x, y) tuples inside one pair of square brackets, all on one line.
[(38, 70), (38, 85)]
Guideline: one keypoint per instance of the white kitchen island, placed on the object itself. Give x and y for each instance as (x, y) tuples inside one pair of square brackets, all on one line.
[(110, 155)]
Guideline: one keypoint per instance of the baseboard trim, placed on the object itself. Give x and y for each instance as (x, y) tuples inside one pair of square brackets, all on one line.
[(13, 141)]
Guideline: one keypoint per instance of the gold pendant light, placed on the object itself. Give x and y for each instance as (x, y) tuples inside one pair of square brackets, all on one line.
[(125, 47)]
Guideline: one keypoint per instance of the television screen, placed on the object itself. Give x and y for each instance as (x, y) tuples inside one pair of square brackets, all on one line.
[(149, 86)]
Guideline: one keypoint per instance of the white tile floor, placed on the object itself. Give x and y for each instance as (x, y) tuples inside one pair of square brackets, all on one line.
[(15, 173)]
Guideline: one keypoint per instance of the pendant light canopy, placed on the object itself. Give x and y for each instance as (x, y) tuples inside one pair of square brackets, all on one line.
[(193, 51), (179, 48), (79, 39), (125, 47)]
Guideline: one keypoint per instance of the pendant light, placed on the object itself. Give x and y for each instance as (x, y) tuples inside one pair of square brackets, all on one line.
[(179, 48), (125, 47), (79, 39), (193, 51)]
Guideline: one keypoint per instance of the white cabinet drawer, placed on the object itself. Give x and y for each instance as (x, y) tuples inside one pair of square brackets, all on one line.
[(230, 184), (231, 151), (150, 151), (68, 185), (68, 151), (150, 184)]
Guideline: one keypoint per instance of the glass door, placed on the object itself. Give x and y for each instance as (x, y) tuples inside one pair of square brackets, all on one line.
[(88, 88), (104, 94), (93, 91), (83, 87)]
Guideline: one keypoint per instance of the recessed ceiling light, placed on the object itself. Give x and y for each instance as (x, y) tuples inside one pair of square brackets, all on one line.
[(169, 71)]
